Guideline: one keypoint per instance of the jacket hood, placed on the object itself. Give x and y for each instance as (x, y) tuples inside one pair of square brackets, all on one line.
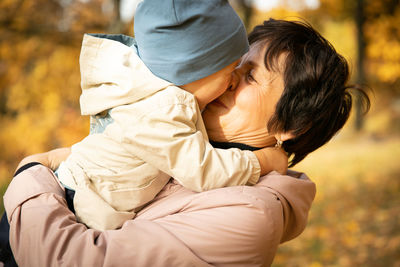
[(296, 192), (112, 74)]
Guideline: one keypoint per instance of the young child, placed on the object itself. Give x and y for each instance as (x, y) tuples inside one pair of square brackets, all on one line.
[(145, 129)]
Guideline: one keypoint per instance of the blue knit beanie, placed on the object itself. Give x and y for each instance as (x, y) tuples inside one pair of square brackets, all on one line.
[(183, 41)]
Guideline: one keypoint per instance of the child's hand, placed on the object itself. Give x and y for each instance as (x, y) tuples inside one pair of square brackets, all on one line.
[(272, 159), (51, 159)]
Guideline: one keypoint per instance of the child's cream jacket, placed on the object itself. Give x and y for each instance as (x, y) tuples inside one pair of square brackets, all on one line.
[(148, 130)]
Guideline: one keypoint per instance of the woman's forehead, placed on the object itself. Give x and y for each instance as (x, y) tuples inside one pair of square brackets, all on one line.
[(258, 53), (255, 53)]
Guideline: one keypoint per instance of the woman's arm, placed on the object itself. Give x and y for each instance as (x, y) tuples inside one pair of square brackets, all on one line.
[(232, 226), (51, 159), (44, 232)]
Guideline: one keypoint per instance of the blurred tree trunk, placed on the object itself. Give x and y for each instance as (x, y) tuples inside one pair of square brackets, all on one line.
[(246, 6), (360, 21), (117, 25)]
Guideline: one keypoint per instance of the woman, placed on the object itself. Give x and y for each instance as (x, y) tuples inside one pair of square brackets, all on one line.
[(291, 80)]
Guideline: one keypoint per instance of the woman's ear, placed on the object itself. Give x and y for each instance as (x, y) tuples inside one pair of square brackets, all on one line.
[(284, 136)]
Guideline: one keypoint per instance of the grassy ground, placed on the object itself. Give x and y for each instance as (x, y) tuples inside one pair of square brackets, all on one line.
[(354, 220)]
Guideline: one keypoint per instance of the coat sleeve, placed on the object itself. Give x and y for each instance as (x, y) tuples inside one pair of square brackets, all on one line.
[(169, 138), (43, 232)]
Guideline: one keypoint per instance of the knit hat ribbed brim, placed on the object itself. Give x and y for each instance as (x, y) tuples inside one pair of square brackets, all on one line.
[(182, 41)]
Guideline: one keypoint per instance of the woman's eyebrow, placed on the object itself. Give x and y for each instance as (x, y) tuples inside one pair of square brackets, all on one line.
[(261, 79), (252, 63)]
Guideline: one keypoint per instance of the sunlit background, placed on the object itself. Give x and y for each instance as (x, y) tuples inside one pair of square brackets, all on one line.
[(354, 220)]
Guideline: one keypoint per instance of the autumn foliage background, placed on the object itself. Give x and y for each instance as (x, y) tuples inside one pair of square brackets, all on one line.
[(355, 217)]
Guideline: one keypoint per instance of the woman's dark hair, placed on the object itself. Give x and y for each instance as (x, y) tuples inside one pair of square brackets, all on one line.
[(316, 101)]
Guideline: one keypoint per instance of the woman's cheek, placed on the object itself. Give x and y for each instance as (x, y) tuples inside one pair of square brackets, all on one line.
[(246, 100)]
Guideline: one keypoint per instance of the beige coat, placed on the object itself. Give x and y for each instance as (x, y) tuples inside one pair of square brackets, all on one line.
[(232, 226), (153, 131)]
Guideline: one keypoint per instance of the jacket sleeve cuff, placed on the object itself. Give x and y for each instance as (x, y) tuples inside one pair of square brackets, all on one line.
[(256, 168), (30, 183)]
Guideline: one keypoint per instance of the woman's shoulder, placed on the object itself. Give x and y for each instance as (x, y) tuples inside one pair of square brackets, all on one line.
[(277, 205), (244, 221), (295, 193)]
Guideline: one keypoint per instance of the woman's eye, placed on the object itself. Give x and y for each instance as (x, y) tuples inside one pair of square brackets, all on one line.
[(249, 77)]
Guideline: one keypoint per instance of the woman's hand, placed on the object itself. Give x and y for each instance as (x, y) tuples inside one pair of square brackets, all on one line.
[(51, 159)]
